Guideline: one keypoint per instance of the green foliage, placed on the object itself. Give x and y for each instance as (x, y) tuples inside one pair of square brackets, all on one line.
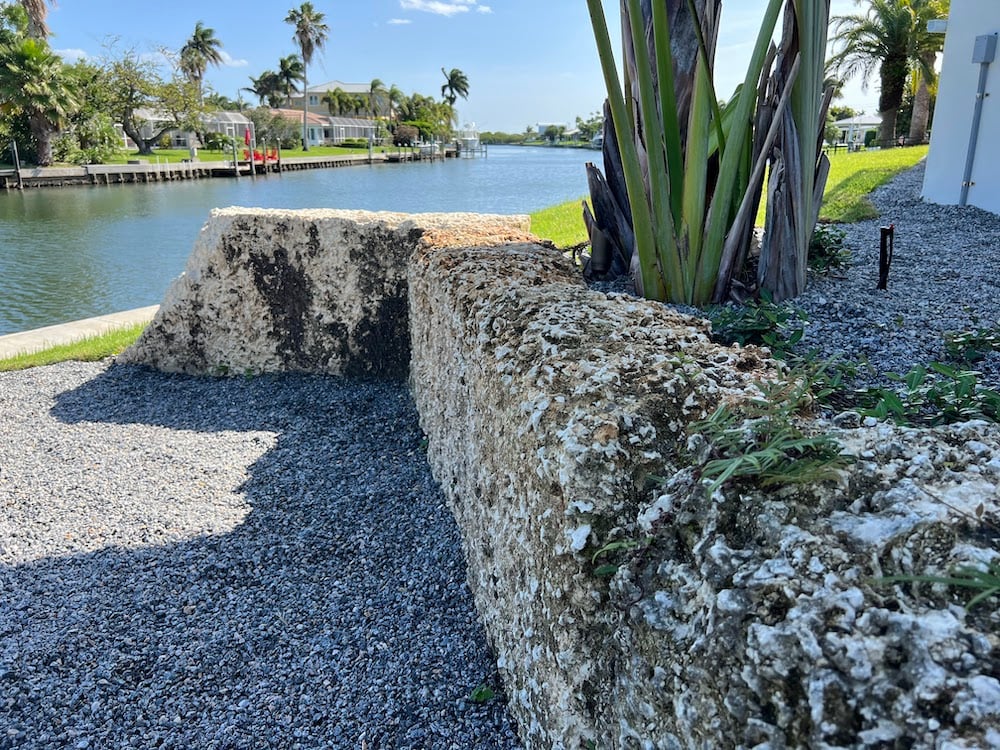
[(562, 224), (931, 395), (87, 350), (985, 583), (972, 346), (218, 141), (405, 135), (760, 439), (761, 322), (625, 545), (482, 694), (826, 250)]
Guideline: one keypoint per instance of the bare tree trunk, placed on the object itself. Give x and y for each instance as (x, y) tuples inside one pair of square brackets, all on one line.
[(42, 131)]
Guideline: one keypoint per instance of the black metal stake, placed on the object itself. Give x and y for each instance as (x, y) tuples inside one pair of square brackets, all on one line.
[(886, 243)]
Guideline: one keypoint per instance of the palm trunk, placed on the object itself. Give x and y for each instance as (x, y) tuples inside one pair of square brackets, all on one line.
[(887, 129), (42, 131), (921, 106), (305, 108)]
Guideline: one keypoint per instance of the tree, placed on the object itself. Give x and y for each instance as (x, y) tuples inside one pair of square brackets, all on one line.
[(926, 10), (290, 72), (590, 127), (456, 85), (134, 86), (268, 87), (889, 36), (33, 84), (337, 101), (198, 52), (395, 97), (38, 11), (377, 93), (310, 34)]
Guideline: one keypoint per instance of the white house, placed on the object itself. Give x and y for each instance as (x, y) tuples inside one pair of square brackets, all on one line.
[(853, 129), (965, 142)]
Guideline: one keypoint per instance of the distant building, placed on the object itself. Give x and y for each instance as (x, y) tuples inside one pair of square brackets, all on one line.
[(322, 129), (234, 124), (318, 91), (853, 129), (965, 147)]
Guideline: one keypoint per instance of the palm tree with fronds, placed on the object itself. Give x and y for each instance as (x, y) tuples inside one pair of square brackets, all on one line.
[(311, 35), (267, 87), (377, 93), (38, 11), (33, 84), (198, 52), (887, 37), (456, 85), (395, 97), (290, 72), (337, 101)]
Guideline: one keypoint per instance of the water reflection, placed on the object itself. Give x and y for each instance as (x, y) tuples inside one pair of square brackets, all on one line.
[(72, 253)]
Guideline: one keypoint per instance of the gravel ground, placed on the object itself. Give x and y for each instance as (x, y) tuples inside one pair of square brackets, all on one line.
[(945, 277), (201, 563)]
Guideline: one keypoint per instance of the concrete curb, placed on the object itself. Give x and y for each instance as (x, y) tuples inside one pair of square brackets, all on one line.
[(66, 333)]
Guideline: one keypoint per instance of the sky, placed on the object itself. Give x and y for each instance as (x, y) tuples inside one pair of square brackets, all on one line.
[(527, 61)]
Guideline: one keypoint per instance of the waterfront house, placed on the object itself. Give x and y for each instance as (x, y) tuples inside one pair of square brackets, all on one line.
[(233, 124), (324, 129)]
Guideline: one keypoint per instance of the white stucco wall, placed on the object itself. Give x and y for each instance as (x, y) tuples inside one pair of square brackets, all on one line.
[(953, 115)]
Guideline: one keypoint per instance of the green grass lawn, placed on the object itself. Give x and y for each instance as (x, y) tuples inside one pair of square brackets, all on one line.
[(852, 178), (87, 350)]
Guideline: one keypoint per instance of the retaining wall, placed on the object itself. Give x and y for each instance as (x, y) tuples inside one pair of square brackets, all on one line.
[(559, 420)]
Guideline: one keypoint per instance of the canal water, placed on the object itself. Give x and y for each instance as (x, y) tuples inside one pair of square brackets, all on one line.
[(71, 253)]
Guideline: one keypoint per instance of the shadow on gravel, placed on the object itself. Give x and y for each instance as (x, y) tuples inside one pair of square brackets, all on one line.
[(335, 616)]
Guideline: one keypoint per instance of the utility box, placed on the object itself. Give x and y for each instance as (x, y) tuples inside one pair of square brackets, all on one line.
[(985, 49)]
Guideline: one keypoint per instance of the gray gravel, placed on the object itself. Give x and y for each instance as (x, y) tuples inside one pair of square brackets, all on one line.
[(945, 277), (200, 563)]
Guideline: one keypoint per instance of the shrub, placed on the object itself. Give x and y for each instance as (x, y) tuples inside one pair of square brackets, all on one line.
[(826, 250), (218, 141), (761, 322), (932, 395), (405, 135)]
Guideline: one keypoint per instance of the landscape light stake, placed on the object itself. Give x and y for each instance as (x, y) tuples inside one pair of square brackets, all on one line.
[(886, 243)]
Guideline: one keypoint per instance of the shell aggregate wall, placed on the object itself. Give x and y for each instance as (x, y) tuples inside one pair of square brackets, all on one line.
[(558, 420)]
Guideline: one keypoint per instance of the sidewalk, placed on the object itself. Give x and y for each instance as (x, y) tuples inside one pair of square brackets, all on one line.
[(66, 333)]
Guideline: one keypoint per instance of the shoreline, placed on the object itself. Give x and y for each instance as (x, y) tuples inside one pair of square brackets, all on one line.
[(144, 173), (70, 332)]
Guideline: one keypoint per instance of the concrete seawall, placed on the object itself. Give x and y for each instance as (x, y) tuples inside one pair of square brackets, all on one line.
[(37, 339)]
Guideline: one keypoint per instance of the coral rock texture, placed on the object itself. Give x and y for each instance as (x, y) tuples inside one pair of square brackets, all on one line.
[(558, 420), (319, 291)]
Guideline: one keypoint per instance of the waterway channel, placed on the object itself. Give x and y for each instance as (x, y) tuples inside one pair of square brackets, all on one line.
[(71, 253)]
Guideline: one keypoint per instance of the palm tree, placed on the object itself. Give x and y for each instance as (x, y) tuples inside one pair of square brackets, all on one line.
[(310, 34), (888, 37), (337, 101), (290, 72), (198, 52), (926, 10), (377, 92), (38, 12), (456, 85), (395, 97), (33, 84), (268, 87)]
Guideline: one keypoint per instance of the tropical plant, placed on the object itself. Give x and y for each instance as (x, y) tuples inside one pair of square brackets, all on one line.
[(310, 34), (38, 11), (290, 72), (684, 174), (268, 87), (891, 36), (33, 84), (456, 85), (377, 93), (395, 97), (198, 52), (337, 101)]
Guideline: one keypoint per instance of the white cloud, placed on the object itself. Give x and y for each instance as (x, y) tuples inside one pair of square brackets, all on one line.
[(72, 55), (231, 62), (399, 21), (441, 8)]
